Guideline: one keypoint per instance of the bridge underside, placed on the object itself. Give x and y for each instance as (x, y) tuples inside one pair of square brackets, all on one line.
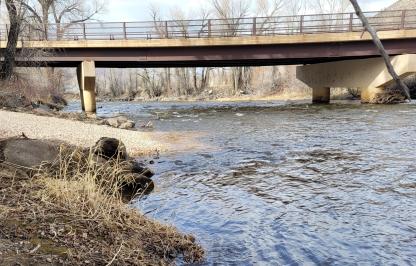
[(368, 75), (330, 60), (219, 56)]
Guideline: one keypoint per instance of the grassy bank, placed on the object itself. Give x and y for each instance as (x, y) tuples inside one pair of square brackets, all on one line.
[(68, 213)]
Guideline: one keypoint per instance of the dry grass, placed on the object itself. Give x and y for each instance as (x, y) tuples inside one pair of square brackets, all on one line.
[(73, 213)]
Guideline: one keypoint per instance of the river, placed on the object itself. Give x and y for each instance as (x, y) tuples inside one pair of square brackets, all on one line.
[(288, 183)]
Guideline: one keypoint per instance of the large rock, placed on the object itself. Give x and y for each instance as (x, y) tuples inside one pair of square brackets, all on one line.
[(138, 185), (135, 167), (28, 153), (113, 122), (127, 125), (58, 100), (120, 122), (110, 148), (43, 110)]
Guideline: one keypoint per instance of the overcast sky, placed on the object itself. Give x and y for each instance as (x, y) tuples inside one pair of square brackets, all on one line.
[(136, 10)]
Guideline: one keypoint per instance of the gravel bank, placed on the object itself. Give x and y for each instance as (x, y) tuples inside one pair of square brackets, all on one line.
[(85, 135)]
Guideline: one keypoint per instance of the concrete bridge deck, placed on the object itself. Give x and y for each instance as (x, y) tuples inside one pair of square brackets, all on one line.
[(256, 41), (232, 51)]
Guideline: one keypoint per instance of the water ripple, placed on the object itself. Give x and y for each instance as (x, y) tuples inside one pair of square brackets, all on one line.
[(290, 184)]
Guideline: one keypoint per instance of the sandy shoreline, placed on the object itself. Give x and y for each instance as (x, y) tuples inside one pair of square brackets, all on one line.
[(85, 135)]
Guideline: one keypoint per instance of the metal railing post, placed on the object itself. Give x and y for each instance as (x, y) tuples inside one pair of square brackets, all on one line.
[(167, 30), (403, 22), (209, 28), (351, 22), (124, 30), (254, 32), (84, 31), (302, 19)]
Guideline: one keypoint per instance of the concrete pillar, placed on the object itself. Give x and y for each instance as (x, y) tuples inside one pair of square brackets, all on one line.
[(368, 75), (86, 81), (321, 95)]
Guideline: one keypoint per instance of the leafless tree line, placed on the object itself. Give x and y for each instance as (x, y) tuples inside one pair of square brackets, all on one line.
[(34, 17), (44, 17), (228, 81)]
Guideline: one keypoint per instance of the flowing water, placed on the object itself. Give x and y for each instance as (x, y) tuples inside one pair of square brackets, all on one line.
[(289, 184)]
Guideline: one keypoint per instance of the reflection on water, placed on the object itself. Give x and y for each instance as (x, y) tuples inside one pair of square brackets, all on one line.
[(289, 184)]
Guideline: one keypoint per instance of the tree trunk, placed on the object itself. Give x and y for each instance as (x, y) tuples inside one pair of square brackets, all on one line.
[(381, 49), (168, 86), (6, 69), (195, 80)]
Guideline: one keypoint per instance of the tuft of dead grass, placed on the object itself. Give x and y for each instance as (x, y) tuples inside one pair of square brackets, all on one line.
[(71, 212)]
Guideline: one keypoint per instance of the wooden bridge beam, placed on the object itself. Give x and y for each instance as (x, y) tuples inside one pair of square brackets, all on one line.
[(86, 81)]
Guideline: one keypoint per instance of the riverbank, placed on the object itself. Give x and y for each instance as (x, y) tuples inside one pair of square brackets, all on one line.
[(83, 134), (71, 211), (48, 218), (207, 97)]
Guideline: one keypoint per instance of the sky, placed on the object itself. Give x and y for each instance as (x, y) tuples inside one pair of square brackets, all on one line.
[(137, 10)]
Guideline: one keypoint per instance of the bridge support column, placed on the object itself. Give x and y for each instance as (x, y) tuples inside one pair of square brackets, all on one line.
[(368, 75), (321, 95), (86, 81)]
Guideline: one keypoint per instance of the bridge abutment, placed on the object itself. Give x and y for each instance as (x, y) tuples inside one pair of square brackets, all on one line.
[(368, 95), (368, 75), (86, 80)]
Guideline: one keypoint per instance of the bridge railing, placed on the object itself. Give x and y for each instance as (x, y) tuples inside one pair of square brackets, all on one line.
[(219, 28)]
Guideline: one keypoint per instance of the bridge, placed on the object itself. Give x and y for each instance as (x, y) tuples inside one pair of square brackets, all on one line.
[(334, 48)]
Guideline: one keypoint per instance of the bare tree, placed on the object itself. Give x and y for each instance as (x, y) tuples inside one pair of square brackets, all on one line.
[(114, 83), (267, 10), (232, 12), (57, 15), (15, 12), (152, 85), (381, 49)]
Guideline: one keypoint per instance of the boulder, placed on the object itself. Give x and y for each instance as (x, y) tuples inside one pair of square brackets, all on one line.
[(138, 185), (43, 110), (122, 119), (58, 100), (28, 152), (136, 167), (120, 122), (110, 148), (127, 125), (113, 122)]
